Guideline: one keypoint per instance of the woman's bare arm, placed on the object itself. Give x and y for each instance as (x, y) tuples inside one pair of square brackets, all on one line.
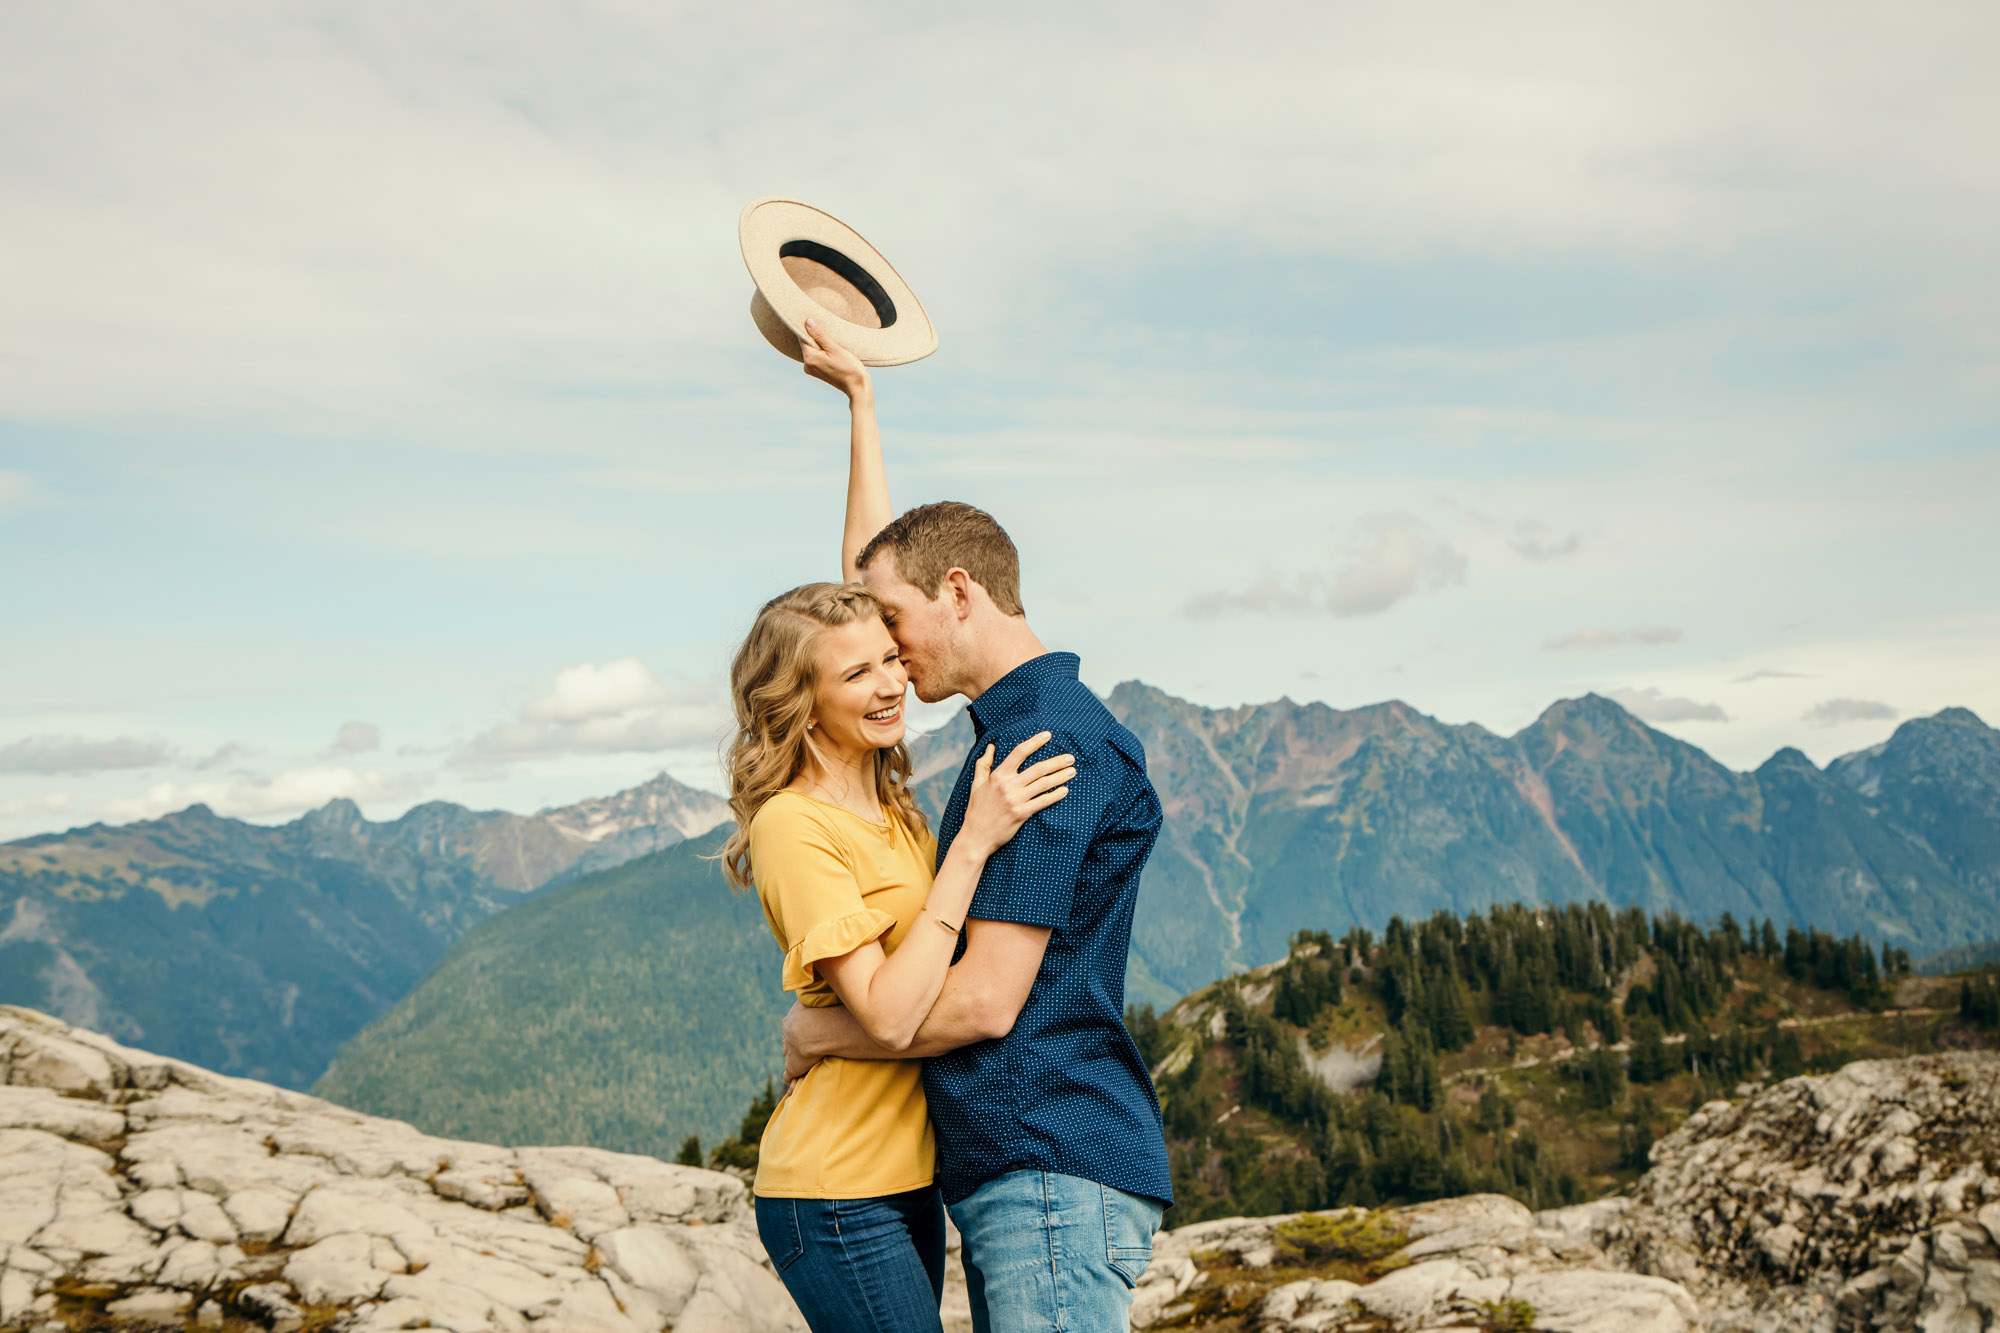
[(868, 509), (889, 994)]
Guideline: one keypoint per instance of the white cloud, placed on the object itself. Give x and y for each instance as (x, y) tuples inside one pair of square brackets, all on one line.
[(1652, 635), (1771, 673), (1837, 712), (1388, 557), (587, 692), (30, 807), (1533, 540), (71, 755), (289, 792), (1651, 705), (357, 738), (223, 756), (602, 708)]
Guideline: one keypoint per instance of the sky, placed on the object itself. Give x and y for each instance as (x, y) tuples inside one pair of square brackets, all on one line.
[(381, 415)]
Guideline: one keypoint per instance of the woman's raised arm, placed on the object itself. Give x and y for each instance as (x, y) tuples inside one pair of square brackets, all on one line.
[(868, 509)]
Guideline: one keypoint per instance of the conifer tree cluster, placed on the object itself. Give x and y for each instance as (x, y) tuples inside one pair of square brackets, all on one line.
[(1979, 1001), (741, 1151), (1406, 1134)]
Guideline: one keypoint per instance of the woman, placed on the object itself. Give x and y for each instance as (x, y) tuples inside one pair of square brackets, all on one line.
[(827, 831)]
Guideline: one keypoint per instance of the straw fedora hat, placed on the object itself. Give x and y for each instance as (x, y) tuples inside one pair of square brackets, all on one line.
[(810, 264)]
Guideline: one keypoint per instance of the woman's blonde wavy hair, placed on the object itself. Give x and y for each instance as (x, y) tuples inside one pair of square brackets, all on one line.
[(773, 683)]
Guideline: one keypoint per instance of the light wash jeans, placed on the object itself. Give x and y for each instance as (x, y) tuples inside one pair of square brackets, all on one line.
[(1046, 1252)]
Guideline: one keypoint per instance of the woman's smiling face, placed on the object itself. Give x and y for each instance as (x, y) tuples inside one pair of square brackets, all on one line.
[(858, 703)]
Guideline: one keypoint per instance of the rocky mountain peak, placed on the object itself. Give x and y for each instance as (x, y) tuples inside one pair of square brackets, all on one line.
[(338, 816), (1951, 731), (1789, 758), (1961, 717), (1587, 710), (660, 801), (198, 815), (1939, 778)]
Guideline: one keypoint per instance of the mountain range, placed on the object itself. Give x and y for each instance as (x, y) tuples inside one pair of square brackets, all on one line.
[(1284, 816), (259, 950), (1280, 817)]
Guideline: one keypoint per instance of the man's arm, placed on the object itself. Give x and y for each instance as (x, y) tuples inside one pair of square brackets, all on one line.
[(982, 996)]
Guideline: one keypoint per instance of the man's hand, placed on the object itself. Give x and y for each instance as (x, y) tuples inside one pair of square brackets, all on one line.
[(797, 1062), (827, 360)]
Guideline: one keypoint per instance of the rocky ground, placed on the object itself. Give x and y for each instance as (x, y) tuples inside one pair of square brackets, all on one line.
[(144, 1191), (1456, 1264), (1868, 1198)]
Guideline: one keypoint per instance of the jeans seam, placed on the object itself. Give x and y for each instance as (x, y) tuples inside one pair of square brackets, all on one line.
[(859, 1273), (1058, 1311), (1104, 1212), (1119, 1255)]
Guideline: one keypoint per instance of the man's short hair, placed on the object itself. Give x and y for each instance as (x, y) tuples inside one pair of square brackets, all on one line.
[(932, 540)]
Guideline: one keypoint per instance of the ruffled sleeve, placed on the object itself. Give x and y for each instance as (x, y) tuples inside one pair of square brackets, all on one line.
[(831, 939), (805, 868)]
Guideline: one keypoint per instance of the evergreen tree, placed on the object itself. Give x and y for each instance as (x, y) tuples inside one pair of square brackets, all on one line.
[(1636, 1136), (1149, 1034), (1652, 1059), (1979, 1001), (1787, 1060), (1602, 1075)]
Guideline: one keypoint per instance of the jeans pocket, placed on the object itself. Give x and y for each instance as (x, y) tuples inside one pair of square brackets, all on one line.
[(778, 1228), (1129, 1224)]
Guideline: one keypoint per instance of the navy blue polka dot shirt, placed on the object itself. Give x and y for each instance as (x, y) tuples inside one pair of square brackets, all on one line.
[(1066, 1089)]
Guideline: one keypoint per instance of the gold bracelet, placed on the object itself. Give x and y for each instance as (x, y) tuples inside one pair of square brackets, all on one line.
[(946, 924)]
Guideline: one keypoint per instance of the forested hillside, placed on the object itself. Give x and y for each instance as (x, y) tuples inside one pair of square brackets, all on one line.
[(626, 1009), (1519, 1051)]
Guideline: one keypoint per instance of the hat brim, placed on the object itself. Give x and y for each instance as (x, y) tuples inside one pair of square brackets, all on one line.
[(773, 227)]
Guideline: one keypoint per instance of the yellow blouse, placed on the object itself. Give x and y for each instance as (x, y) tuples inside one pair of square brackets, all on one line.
[(830, 882)]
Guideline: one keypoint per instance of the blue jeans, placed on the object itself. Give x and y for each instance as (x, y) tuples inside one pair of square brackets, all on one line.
[(859, 1265), (1044, 1251)]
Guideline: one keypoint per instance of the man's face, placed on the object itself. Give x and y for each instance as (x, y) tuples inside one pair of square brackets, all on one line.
[(925, 630)]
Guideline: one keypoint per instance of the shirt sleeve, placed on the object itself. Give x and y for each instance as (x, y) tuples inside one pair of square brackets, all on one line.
[(1031, 880), (805, 874)]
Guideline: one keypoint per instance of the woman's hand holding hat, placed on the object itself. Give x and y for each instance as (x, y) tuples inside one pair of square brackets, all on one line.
[(827, 360)]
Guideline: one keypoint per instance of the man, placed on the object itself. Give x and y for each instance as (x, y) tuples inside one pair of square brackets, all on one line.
[(1050, 1152)]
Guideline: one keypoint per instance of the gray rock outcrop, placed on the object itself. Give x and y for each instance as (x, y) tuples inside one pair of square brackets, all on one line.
[(1466, 1259), (1866, 1199), (156, 1192)]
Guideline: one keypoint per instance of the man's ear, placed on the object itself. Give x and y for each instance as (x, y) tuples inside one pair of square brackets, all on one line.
[(958, 585)]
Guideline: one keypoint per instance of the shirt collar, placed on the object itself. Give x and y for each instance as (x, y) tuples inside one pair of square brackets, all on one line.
[(1016, 691)]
